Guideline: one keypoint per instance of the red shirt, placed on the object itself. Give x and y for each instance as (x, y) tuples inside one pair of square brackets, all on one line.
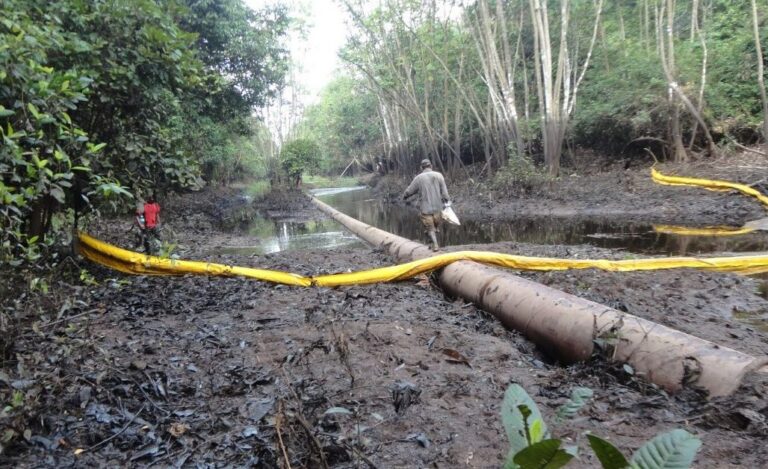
[(151, 211)]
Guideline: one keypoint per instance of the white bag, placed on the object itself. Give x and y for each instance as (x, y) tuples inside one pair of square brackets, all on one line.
[(450, 216)]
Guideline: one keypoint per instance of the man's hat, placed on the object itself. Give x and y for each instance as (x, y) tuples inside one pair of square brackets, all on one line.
[(425, 163)]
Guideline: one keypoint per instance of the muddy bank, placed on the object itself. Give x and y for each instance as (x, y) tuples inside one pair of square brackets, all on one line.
[(192, 371), (611, 194)]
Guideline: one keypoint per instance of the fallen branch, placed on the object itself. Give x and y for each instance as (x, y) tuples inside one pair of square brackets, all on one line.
[(362, 455), (69, 318), (739, 145), (278, 421), (102, 442), (303, 421)]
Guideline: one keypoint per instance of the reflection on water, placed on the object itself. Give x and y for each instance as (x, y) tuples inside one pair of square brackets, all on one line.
[(358, 202), (273, 236), (633, 237)]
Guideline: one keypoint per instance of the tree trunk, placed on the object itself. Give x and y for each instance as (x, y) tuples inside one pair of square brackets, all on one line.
[(760, 73)]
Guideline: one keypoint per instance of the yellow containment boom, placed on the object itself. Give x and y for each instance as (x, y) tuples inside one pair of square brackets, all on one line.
[(712, 185), (136, 263), (709, 184), (704, 231)]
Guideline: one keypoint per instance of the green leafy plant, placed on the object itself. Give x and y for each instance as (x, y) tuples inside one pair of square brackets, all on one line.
[(87, 278), (529, 439), (531, 445), (166, 250), (675, 449), (579, 397)]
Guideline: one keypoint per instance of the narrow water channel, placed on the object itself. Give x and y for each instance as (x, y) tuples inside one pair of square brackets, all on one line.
[(360, 203)]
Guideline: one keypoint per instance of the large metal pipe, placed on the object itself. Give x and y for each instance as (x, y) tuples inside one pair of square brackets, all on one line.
[(568, 327)]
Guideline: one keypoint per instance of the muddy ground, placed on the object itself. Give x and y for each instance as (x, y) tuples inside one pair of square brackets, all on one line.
[(214, 372)]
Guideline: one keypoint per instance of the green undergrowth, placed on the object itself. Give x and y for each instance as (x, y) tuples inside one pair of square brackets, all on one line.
[(257, 189), (322, 182)]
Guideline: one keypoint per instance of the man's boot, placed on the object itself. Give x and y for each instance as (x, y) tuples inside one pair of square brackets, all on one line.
[(433, 237)]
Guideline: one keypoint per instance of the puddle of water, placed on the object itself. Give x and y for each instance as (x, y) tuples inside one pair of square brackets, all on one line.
[(272, 236)]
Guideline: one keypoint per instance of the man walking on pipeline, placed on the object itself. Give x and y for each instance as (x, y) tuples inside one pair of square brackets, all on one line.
[(433, 195)]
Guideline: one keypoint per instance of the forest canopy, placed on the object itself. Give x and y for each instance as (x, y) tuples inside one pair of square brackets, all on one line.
[(484, 81)]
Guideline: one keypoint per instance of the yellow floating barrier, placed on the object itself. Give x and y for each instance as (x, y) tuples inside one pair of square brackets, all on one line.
[(136, 263), (709, 184), (712, 185), (704, 231)]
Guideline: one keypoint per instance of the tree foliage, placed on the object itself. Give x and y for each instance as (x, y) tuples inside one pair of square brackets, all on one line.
[(106, 97), (299, 156), (347, 123), (465, 83)]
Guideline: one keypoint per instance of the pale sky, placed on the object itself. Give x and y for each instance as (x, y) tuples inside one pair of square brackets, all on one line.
[(316, 56)]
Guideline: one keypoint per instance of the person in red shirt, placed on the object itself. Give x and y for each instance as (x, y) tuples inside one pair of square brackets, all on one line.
[(151, 223)]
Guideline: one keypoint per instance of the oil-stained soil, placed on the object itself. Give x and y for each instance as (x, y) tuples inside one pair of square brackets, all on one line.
[(215, 372)]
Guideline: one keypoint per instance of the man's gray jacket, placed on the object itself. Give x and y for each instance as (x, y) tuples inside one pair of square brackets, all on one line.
[(430, 185)]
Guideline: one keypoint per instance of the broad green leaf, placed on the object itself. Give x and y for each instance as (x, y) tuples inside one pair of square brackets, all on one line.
[(40, 163), (670, 450), (610, 457), (514, 420), (33, 109), (96, 148), (110, 188), (58, 194), (543, 455), (5, 112), (579, 397)]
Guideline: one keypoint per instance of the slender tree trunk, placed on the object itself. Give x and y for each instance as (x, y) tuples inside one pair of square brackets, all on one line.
[(491, 39), (667, 53), (557, 91), (677, 96), (623, 33), (760, 73), (694, 20), (700, 102), (647, 26)]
